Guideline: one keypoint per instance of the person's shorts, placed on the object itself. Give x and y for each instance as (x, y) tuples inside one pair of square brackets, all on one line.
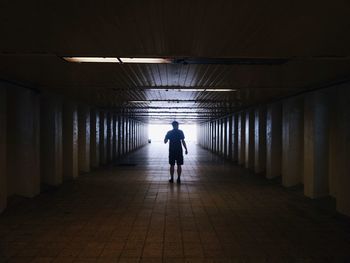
[(179, 158)]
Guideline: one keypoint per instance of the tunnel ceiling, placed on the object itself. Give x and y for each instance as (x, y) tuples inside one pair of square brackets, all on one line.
[(312, 36)]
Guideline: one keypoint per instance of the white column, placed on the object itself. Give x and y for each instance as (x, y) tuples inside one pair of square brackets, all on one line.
[(217, 139), (125, 135), (94, 138), (3, 165), (70, 141), (84, 138), (249, 140), (292, 142), (225, 137), (241, 138), (103, 138), (120, 136), (131, 135), (343, 180), (51, 139), (333, 142), (109, 136), (23, 144), (316, 144), (260, 140), (229, 137), (274, 140), (234, 136), (213, 138), (115, 136), (221, 137), (207, 136)]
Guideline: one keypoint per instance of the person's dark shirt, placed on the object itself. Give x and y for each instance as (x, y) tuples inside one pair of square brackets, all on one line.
[(175, 137)]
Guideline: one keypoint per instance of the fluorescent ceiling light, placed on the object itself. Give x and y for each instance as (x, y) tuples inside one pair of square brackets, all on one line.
[(181, 61), (91, 60), (220, 90), (196, 90), (139, 101), (159, 101), (116, 60), (167, 114), (146, 60)]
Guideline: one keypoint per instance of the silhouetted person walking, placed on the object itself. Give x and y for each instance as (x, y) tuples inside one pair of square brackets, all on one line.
[(177, 139)]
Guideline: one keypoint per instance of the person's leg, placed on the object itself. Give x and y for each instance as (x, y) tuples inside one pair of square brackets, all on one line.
[(171, 173), (172, 168), (179, 170), (179, 162)]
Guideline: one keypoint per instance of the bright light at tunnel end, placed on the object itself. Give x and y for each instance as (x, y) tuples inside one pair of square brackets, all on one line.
[(157, 132)]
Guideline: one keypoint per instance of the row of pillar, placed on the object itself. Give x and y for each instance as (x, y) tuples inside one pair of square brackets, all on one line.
[(304, 139), (45, 140)]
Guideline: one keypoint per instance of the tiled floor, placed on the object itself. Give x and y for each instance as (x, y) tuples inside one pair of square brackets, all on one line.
[(220, 213)]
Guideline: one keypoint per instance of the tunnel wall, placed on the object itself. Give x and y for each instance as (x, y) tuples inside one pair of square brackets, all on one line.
[(304, 140), (46, 140)]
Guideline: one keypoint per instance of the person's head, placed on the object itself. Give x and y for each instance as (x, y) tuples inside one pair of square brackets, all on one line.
[(175, 125)]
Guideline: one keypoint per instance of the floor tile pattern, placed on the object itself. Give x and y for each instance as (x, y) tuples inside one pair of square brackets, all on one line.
[(129, 212)]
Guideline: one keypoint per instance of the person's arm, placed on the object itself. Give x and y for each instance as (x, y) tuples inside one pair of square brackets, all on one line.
[(166, 138), (185, 146)]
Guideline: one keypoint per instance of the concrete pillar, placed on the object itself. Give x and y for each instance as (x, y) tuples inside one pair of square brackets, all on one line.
[(130, 135), (134, 135), (138, 134), (103, 138), (343, 180), (274, 140), (51, 153), (200, 134), (121, 129), (115, 137), (213, 132), (260, 140), (109, 137), (207, 137), (213, 138), (234, 136), (3, 159), (249, 140), (94, 138), (229, 137), (316, 144), (205, 134), (221, 137), (225, 137), (333, 169), (84, 138), (70, 141), (131, 125), (216, 123), (126, 135), (292, 142), (215, 128), (23, 144), (217, 136), (241, 138)]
